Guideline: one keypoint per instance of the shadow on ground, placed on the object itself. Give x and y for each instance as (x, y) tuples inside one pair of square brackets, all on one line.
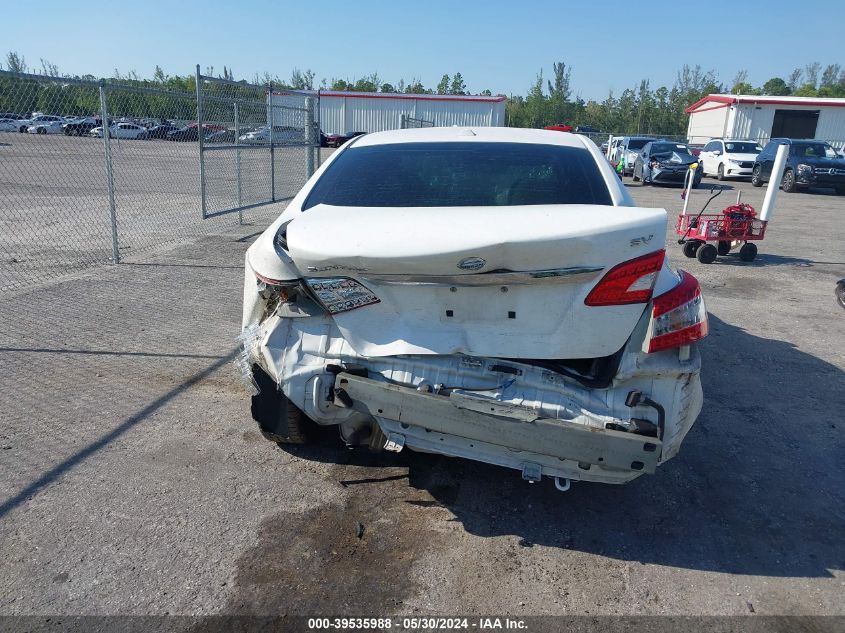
[(755, 490)]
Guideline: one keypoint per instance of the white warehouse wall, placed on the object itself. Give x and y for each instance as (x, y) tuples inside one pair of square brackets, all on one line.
[(356, 112), (708, 124)]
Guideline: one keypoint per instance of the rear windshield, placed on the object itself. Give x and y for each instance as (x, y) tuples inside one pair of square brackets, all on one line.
[(458, 174)]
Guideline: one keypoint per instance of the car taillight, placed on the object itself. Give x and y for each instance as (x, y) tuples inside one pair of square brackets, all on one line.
[(678, 317), (629, 282), (340, 294)]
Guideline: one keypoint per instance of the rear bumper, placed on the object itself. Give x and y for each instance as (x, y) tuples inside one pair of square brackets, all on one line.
[(525, 415), (407, 416)]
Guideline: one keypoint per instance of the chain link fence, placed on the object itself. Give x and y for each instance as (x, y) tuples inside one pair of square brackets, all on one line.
[(94, 172), (261, 144)]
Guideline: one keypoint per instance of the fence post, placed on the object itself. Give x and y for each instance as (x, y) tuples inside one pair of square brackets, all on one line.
[(200, 141), (403, 121), (104, 115), (238, 162), (272, 149), (309, 136)]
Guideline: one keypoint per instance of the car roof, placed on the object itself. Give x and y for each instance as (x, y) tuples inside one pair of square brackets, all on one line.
[(471, 135)]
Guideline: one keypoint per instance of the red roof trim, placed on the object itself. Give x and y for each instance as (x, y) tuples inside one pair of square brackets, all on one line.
[(424, 97), (717, 98), (718, 107), (762, 100)]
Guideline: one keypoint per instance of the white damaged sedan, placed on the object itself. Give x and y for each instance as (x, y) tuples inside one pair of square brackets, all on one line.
[(486, 293)]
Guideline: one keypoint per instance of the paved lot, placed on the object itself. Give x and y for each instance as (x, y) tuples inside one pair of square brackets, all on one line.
[(54, 205), (134, 481)]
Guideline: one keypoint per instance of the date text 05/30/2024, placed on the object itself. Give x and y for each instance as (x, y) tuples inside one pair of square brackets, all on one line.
[(417, 624)]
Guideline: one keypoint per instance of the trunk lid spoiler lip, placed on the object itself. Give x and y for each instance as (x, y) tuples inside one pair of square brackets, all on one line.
[(490, 278)]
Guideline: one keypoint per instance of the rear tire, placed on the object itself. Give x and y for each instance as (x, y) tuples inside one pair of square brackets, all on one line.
[(720, 173), (840, 191), (690, 248), (757, 176), (788, 182), (748, 252), (278, 419), (40, 130), (723, 248), (706, 254)]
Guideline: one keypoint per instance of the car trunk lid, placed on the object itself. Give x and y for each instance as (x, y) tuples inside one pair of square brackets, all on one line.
[(486, 281)]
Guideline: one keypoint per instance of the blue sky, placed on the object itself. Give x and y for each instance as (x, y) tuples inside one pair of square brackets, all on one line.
[(495, 45)]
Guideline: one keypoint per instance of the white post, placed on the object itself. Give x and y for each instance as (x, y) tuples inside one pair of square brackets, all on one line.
[(609, 139), (688, 186), (774, 183), (309, 137)]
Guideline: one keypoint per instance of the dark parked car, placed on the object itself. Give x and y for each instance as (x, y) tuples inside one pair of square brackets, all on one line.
[(81, 127), (840, 292), (336, 140), (161, 131), (587, 129), (665, 162), (809, 163)]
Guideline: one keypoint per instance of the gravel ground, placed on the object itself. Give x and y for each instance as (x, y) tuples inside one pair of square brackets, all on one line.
[(135, 481)]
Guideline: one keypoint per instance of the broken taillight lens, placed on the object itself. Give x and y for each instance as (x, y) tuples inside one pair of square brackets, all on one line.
[(629, 282), (678, 316), (340, 294)]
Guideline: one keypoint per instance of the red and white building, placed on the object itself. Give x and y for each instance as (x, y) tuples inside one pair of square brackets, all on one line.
[(760, 118)]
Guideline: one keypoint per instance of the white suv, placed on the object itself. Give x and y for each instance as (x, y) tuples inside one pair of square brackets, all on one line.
[(724, 158), (486, 293)]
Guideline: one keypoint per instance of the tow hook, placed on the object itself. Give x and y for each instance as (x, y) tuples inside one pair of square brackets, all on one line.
[(563, 487)]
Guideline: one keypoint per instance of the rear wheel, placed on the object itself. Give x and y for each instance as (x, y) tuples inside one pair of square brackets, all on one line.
[(279, 420), (723, 248), (757, 176), (41, 130), (788, 182), (706, 254), (748, 252), (690, 248), (720, 173), (840, 191)]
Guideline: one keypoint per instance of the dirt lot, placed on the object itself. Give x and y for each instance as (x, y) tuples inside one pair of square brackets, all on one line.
[(136, 483)]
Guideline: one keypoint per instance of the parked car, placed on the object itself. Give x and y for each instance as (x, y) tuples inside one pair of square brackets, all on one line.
[(664, 162), (123, 131), (190, 133), (840, 292), (726, 158), (161, 131), (14, 116), (628, 149), (559, 127), (336, 140), (281, 134), (539, 327), (9, 125), (187, 133), (36, 120), (81, 126), (810, 163), (46, 127), (587, 129)]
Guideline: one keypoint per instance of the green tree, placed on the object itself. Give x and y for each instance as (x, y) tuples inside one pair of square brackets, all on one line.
[(443, 86), (386, 87), (776, 87), (16, 63), (457, 87)]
